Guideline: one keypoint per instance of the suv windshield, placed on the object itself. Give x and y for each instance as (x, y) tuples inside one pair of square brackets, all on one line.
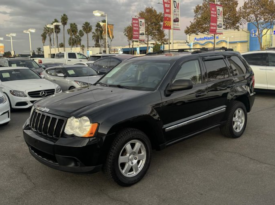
[(79, 71), (23, 63), (17, 74), (139, 75)]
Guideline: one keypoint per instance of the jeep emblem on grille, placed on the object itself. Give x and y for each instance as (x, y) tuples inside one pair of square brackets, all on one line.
[(43, 93), (43, 109)]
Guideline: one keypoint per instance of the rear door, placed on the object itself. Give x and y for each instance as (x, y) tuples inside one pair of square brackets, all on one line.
[(72, 59), (258, 63), (270, 71)]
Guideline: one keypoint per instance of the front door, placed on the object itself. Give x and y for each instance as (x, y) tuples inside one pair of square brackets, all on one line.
[(183, 112), (270, 71)]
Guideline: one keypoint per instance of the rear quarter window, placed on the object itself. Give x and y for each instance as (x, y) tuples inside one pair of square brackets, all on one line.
[(237, 66), (216, 69)]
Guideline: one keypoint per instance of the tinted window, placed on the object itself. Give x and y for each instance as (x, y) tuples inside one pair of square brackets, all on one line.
[(23, 63), (113, 62), (72, 55), (17, 74), (190, 71), (271, 59), (79, 71), (216, 69), (237, 67), (60, 55), (103, 63), (94, 58), (256, 59), (51, 72)]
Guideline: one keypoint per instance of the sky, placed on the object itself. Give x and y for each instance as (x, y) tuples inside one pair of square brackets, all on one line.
[(19, 15)]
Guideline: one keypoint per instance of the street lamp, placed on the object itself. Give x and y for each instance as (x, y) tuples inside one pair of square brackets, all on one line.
[(11, 35), (101, 13), (29, 31)]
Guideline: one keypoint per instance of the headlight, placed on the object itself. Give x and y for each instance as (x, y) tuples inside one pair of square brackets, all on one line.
[(58, 89), (3, 99), (80, 127), (18, 93), (82, 84)]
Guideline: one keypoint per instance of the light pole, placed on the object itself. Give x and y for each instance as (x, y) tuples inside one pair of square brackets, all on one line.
[(29, 31), (11, 35), (101, 13)]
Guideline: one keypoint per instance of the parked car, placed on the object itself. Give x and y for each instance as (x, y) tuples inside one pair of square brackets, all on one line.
[(21, 62), (104, 65), (144, 103), (176, 19), (68, 58), (49, 65), (99, 56), (4, 109), (71, 77), (263, 65), (271, 48), (88, 63), (23, 87)]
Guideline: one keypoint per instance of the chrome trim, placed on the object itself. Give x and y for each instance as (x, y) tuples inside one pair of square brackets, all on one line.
[(195, 119)]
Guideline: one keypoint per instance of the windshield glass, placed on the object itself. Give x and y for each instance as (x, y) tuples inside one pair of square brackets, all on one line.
[(79, 71), (139, 75), (23, 63), (17, 74)]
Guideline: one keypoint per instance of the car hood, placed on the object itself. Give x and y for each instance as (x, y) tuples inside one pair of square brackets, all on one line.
[(86, 79), (84, 100), (29, 85)]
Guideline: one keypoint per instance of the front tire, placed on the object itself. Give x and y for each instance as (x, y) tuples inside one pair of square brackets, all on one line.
[(129, 157), (236, 121)]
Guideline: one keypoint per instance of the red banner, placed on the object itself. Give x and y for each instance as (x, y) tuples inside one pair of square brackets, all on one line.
[(216, 22), (135, 25), (167, 14)]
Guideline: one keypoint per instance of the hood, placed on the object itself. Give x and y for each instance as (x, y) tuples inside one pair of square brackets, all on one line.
[(68, 103), (86, 79), (30, 85)]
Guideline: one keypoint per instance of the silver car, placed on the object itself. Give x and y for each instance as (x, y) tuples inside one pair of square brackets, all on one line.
[(71, 77)]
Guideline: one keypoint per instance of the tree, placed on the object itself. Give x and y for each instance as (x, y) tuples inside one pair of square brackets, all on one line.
[(261, 13), (61, 45), (44, 38), (87, 28), (153, 26), (81, 34), (39, 50), (156, 48), (77, 40), (128, 32), (97, 34), (49, 32), (74, 29), (71, 37), (7, 54), (64, 21), (57, 31), (71, 42), (201, 22), (82, 48)]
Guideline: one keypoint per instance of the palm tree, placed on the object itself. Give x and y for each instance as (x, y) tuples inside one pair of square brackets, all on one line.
[(57, 31), (82, 48), (64, 21), (49, 32), (97, 35), (61, 45), (77, 40), (44, 38), (87, 28), (74, 29), (39, 50), (81, 34), (71, 37)]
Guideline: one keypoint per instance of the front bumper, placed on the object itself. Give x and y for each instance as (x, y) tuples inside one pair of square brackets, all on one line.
[(4, 113), (78, 155), (22, 102)]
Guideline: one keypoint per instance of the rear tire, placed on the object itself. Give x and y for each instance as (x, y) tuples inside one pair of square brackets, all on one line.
[(71, 88), (236, 121), (129, 157)]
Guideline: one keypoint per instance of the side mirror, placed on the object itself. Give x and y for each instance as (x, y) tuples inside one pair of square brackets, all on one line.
[(60, 75), (179, 85)]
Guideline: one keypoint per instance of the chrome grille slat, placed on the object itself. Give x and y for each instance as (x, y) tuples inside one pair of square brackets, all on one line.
[(42, 122), (36, 94)]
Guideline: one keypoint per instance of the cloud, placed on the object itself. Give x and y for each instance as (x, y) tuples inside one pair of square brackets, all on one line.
[(19, 15)]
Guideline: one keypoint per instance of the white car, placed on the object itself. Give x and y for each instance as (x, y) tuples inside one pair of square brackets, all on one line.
[(263, 65), (4, 109), (23, 87)]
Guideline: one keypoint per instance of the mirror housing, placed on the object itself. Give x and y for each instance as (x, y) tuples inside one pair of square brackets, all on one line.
[(179, 85), (61, 75)]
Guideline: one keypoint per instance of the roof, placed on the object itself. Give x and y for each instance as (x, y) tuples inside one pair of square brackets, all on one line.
[(12, 68), (18, 59), (266, 51), (163, 57)]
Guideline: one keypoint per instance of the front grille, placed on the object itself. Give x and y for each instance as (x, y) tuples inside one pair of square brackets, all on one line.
[(41, 93), (47, 124)]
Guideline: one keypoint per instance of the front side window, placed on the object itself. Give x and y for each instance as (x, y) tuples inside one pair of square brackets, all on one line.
[(60, 55), (81, 56), (137, 75), (256, 59), (216, 69), (52, 72), (271, 59), (17, 74), (237, 67), (79, 71), (190, 71)]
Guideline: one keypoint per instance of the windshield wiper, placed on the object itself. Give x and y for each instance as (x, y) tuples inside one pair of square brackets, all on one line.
[(103, 84), (118, 86)]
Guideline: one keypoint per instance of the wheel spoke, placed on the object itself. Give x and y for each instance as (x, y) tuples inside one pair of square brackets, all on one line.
[(127, 168), (141, 156), (137, 147), (128, 149), (123, 159), (235, 119), (135, 167)]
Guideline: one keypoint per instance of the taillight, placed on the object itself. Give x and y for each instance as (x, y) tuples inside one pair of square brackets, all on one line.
[(40, 61), (253, 81)]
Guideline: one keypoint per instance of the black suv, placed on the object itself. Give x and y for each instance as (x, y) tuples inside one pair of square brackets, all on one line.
[(144, 103)]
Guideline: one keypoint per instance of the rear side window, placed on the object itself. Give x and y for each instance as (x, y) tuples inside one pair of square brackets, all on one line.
[(59, 55), (236, 66), (216, 69), (271, 59), (256, 59), (72, 55), (190, 71)]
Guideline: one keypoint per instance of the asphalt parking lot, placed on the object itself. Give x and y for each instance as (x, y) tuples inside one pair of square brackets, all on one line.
[(206, 169)]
